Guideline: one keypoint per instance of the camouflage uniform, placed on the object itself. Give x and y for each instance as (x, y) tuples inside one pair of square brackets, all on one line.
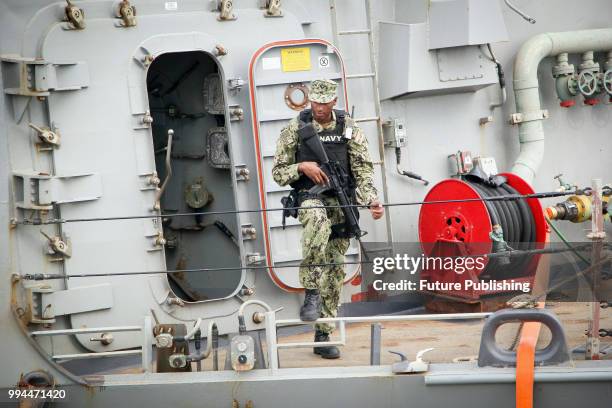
[(317, 248)]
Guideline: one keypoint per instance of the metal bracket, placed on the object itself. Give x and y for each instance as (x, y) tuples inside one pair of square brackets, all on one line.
[(37, 311), (37, 191), (25, 78), (242, 172), (143, 57), (273, 8), (225, 9), (248, 232), (105, 339), (58, 245), (219, 50), (235, 84), (158, 241), (47, 135), (143, 121), (517, 118), (149, 181), (236, 113), (254, 258), (74, 16), (127, 13), (45, 303)]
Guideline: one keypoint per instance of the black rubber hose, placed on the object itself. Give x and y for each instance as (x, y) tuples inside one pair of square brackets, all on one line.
[(517, 222), (495, 218), (513, 224), (509, 229), (526, 230), (516, 211), (528, 234)]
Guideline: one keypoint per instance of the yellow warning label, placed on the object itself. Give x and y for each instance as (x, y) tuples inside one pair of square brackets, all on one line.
[(295, 59)]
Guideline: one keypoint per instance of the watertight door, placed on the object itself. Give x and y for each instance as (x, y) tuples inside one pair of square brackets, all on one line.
[(106, 129), (279, 75)]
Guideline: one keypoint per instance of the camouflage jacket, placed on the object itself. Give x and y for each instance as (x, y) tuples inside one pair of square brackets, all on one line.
[(285, 168)]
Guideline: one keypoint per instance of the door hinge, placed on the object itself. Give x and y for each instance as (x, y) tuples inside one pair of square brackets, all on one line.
[(25, 78), (39, 191), (45, 303)]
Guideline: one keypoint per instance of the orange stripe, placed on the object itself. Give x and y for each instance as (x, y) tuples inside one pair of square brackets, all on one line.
[(525, 353), (525, 357)]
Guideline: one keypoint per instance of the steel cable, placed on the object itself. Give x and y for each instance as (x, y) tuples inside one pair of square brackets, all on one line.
[(259, 210), (514, 253)]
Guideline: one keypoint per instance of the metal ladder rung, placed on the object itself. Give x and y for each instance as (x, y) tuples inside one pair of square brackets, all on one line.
[(365, 75), (372, 119), (378, 111), (353, 32)]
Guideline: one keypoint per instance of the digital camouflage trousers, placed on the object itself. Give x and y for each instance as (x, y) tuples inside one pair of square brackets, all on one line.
[(317, 248)]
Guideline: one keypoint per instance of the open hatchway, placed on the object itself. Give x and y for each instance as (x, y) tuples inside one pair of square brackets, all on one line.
[(192, 158)]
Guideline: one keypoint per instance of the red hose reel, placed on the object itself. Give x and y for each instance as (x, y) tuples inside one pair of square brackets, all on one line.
[(452, 229)]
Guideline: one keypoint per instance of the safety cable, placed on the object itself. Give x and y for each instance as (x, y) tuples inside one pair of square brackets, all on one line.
[(562, 237), (508, 197), (513, 253), (525, 16)]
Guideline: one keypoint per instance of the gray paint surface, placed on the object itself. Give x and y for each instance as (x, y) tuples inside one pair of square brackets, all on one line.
[(97, 125)]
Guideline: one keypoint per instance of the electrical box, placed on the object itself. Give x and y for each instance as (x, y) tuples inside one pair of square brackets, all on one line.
[(487, 165), (242, 351), (460, 163), (394, 131), (463, 162), (409, 68)]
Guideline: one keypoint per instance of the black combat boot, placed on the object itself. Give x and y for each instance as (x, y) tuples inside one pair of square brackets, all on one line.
[(311, 310), (329, 352)]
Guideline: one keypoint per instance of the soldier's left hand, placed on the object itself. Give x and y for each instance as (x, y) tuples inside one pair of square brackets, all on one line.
[(376, 209)]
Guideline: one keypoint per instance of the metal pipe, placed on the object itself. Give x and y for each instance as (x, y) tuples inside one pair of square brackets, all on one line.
[(344, 320), (85, 330), (212, 342), (526, 88), (83, 356), (502, 81), (271, 341), (147, 345), (373, 319), (241, 322), (160, 192), (484, 376), (253, 302), (194, 329), (308, 344)]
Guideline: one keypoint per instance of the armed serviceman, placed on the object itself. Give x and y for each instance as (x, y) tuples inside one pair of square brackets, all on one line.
[(324, 240)]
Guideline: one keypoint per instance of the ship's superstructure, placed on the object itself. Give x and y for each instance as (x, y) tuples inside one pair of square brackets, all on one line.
[(140, 215)]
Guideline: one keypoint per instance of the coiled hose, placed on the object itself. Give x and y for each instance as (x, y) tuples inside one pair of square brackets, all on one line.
[(517, 223)]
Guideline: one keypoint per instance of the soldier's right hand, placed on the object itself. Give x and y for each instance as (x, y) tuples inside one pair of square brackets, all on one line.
[(313, 172)]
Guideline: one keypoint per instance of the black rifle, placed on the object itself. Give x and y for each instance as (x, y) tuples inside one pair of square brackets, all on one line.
[(338, 183)]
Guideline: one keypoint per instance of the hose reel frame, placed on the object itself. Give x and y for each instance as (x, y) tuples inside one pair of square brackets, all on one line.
[(462, 229)]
